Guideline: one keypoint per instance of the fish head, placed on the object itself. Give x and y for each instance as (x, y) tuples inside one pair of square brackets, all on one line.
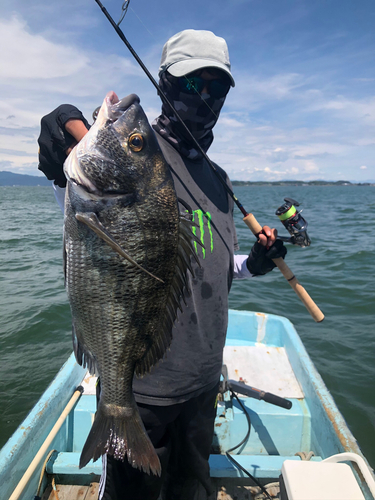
[(120, 153)]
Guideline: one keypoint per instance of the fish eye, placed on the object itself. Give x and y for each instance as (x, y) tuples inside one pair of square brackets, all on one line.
[(136, 142)]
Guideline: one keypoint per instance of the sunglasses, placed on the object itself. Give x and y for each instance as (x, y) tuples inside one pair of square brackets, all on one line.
[(195, 84)]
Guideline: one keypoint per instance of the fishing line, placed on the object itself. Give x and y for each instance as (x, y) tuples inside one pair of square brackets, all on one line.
[(124, 9), (249, 219), (166, 100)]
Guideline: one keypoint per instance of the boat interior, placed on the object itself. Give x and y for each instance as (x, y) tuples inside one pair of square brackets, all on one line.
[(273, 409)]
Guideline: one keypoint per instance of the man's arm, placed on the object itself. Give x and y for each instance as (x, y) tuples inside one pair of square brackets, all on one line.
[(77, 129)]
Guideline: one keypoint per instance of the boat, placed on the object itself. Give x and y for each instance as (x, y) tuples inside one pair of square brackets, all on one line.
[(278, 431)]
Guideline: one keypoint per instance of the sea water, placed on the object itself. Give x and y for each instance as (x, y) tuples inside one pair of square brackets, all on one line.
[(337, 270)]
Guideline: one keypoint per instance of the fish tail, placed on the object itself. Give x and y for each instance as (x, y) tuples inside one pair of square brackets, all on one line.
[(120, 433)]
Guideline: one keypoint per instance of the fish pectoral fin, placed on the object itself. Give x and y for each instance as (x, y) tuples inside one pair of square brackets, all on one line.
[(193, 225), (91, 220)]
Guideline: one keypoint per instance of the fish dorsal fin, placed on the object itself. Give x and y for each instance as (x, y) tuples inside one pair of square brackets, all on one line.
[(178, 287), (92, 221)]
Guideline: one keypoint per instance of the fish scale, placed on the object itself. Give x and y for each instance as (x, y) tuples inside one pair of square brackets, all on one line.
[(127, 253)]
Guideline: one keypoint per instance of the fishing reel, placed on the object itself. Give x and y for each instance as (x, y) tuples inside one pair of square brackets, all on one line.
[(294, 223)]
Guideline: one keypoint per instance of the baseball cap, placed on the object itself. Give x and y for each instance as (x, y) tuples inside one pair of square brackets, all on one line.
[(190, 50)]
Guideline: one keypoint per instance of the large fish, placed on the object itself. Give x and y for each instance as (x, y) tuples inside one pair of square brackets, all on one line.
[(127, 251)]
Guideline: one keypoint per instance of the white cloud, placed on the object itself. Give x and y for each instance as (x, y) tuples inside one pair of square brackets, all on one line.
[(37, 75), (30, 56), (361, 110), (296, 122), (227, 121), (253, 92)]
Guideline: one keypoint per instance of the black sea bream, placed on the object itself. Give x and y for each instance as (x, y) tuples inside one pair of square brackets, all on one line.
[(127, 250)]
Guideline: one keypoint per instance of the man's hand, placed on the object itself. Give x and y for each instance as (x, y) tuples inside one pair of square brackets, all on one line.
[(267, 237), (265, 249)]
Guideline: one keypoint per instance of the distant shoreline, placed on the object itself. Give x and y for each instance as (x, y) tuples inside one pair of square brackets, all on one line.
[(18, 180), (301, 183)]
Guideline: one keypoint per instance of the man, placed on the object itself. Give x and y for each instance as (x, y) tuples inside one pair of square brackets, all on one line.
[(60, 131), (177, 399)]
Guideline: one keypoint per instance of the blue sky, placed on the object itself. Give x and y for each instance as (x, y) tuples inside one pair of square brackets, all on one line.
[(304, 102)]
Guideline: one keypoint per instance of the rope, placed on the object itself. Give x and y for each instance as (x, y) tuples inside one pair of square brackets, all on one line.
[(304, 455), (54, 489), (273, 489), (42, 472)]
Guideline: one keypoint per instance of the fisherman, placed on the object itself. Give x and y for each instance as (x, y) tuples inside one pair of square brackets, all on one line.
[(177, 400), (60, 131)]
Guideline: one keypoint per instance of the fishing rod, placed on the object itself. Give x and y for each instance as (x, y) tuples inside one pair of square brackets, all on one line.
[(167, 101), (248, 218)]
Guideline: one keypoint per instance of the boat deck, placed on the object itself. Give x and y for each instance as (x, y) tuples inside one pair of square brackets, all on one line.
[(71, 492), (231, 491)]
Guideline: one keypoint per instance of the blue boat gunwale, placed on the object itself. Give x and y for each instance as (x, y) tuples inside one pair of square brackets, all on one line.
[(33, 431)]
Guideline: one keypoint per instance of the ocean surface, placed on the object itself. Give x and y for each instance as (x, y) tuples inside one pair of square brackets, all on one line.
[(338, 271)]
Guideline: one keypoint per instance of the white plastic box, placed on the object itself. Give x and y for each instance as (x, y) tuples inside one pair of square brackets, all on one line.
[(306, 480)]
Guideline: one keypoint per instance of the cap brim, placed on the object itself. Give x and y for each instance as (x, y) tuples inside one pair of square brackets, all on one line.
[(181, 68)]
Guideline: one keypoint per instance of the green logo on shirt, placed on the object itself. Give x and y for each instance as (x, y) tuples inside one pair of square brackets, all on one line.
[(200, 217)]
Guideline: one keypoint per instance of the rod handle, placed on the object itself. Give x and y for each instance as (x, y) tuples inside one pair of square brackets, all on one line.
[(277, 400), (305, 298), (252, 392)]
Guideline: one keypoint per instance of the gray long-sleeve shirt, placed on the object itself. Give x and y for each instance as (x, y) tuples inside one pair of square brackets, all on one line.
[(193, 363)]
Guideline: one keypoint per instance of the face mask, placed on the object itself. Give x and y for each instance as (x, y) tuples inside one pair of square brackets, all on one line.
[(199, 113)]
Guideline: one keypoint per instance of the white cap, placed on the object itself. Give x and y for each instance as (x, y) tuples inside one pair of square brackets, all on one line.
[(191, 50)]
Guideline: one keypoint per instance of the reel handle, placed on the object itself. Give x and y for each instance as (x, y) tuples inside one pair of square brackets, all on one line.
[(310, 305)]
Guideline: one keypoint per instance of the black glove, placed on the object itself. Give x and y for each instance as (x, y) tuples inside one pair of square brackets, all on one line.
[(260, 260)]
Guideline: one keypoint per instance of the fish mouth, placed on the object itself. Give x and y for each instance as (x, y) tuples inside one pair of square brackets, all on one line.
[(115, 108)]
